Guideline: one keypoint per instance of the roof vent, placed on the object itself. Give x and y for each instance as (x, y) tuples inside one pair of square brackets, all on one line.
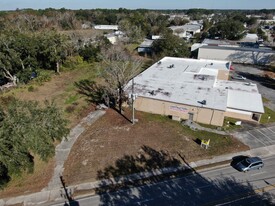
[(203, 102), (152, 92)]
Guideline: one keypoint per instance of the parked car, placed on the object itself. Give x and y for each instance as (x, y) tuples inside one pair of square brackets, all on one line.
[(249, 163), (239, 77)]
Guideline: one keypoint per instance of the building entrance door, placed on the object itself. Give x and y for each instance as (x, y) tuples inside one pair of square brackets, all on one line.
[(191, 116)]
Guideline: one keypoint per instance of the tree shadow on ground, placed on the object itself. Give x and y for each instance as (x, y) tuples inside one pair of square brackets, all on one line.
[(97, 94), (265, 81), (252, 57), (189, 189)]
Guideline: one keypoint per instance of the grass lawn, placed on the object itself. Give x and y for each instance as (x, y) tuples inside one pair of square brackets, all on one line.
[(268, 116)]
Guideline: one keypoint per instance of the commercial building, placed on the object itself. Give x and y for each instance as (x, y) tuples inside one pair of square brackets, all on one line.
[(242, 55), (194, 89)]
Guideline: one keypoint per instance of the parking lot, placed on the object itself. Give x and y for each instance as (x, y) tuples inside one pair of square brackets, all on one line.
[(257, 137)]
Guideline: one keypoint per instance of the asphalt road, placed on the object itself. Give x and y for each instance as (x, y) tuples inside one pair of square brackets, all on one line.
[(222, 186)]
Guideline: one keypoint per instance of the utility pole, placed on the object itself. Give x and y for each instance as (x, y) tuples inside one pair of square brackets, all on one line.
[(133, 99), (69, 198)]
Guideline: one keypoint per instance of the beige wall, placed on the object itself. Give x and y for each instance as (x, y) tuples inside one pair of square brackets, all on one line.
[(201, 114), (223, 75), (241, 115)]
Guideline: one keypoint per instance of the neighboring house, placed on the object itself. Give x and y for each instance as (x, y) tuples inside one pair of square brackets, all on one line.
[(146, 47), (186, 31), (112, 38), (106, 27), (197, 90), (244, 55), (115, 36), (182, 16), (85, 26)]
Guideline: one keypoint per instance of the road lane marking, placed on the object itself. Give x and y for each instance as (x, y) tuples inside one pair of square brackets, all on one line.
[(256, 138), (265, 135), (271, 130)]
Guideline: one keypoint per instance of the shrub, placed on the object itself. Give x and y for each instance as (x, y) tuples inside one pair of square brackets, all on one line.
[(30, 88), (43, 76), (70, 109), (73, 61)]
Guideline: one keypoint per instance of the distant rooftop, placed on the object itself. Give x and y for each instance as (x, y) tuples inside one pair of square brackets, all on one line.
[(250, 38), (106, 27), (219, 42), (186, 27), (146, 43), (239, 49)]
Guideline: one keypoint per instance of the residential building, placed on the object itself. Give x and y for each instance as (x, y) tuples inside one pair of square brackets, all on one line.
[(186, 31), (106, 27), (146, 47)]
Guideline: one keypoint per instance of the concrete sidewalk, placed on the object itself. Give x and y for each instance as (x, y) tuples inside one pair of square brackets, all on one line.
[(62, 150), (55, 195)]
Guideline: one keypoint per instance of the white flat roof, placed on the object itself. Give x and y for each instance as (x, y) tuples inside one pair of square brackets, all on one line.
[(181, 80), (106, 27), (187, 27), (190, 81), (246, 101), (146, 43), (237, 85)]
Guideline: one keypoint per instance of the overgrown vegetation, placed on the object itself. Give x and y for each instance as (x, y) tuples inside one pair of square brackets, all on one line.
[(26, 129)]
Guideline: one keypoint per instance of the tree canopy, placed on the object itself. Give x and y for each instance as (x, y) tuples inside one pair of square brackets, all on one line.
[(27, 129), (230, 29), (170, 45), (22, 53)]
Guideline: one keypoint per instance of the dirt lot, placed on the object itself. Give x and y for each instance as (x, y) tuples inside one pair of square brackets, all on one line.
[(113, 147)]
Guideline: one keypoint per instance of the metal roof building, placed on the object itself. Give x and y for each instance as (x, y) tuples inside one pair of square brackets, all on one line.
[(244, 55), (195, 89)]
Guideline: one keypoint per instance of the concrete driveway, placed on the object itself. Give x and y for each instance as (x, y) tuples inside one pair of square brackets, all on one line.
[(259, 137)]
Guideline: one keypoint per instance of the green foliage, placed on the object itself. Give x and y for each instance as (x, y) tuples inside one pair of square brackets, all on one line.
[(27, 129), (89, 53), (31, 88), (230, 29), (170, 45), (71, 99), (43, 76), (21, 54), (73, 61)]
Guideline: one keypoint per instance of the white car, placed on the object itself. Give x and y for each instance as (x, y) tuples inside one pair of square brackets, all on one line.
[(239, 77)]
